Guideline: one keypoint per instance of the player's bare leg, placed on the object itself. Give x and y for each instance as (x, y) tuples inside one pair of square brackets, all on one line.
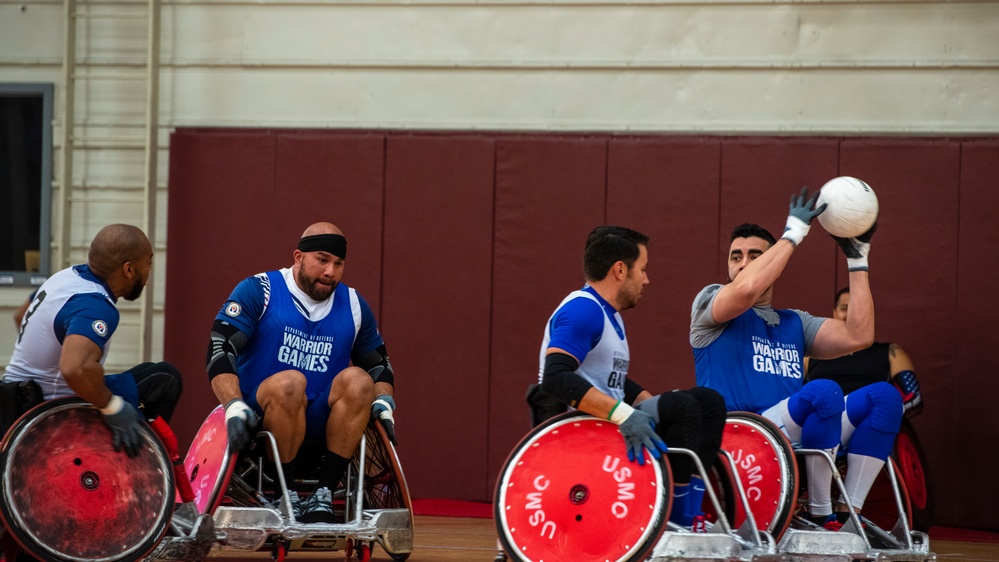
[(350, 406), (282, 397)]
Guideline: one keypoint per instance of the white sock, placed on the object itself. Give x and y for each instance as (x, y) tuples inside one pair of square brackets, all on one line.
[(819, 485), (861, 471)]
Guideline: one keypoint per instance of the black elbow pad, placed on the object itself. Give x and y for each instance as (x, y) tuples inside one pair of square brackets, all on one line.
[(561, 380), (376, 363), (226, 343)]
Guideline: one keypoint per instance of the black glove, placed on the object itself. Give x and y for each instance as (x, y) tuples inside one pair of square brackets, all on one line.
[(382, 409), (800, 213), (856, 249), (240, 421), (124, 421)]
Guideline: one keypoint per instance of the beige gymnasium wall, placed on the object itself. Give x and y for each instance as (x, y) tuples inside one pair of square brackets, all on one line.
[(852, 67)]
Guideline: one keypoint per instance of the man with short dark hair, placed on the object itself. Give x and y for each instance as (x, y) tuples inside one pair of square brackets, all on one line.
[(66, 332), (752, 354), (584, 363), (301, 349)]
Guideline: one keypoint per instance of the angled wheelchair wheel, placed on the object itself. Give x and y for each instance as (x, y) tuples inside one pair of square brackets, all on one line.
[(209, 463), (767, 469), (385, 485), (911, 461), (68, 496), (568, 492)]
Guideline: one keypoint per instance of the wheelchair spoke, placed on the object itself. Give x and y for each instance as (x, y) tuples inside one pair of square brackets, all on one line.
[(381, 487), (242, 494)]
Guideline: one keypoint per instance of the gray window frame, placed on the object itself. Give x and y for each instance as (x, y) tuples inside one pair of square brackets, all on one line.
[(47, 93)]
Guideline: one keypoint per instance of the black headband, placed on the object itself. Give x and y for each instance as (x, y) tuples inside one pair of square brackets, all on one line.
[(330, 243)]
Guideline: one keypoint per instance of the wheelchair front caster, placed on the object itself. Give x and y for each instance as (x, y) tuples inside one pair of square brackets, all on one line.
[(364, 552), (279, 551)]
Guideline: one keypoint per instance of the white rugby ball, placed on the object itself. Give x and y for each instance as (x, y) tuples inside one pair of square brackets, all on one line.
[(851, 207)]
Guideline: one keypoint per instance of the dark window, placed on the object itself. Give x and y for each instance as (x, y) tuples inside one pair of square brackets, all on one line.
[(25, 182)]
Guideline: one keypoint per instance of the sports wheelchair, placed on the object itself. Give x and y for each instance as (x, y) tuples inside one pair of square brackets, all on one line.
[(774, 485), (374, 505), (68, 496), (568, 492)]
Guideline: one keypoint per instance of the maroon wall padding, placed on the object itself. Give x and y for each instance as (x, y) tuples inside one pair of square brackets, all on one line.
[(437, 276), (914, 260), (465, 243), (971, 426), (549, 195), (338, 178), (217, 181), (666, 188)]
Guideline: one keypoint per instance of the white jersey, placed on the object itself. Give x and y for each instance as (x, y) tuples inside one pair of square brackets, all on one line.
[(71, 302), (597, 340)]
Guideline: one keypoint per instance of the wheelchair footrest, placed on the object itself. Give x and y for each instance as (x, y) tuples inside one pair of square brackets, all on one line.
[(848, 545), (194, 546), (919, 551), (395, 529), (711, 546), (799, 544), (904, 556), (696, 546), (249, 528)]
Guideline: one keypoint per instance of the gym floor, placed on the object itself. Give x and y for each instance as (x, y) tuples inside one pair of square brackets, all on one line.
[(467, 539)]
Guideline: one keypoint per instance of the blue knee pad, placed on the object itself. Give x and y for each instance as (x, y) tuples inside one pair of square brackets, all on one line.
[(823, 397), (879, 404), (876, 411), (817, 408)]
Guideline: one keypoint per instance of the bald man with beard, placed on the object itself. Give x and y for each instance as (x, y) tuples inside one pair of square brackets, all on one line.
[(301, 350), (64, 337)]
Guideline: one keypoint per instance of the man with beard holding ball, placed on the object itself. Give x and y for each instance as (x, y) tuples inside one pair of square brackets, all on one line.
[(301, 350)]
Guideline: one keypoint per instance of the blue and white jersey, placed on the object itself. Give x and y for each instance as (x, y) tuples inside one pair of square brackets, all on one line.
[(73, 301), (289, 330), (592, 331), (754, 360)]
